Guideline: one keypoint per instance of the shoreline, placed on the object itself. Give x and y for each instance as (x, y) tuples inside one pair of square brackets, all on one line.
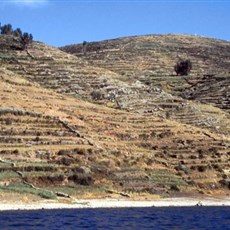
[(116, 203)]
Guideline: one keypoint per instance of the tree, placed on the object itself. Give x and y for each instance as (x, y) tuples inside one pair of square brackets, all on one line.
[(18, 33), (26, 39), (31, 37), (7, 29), (183, 67), (84, 44)]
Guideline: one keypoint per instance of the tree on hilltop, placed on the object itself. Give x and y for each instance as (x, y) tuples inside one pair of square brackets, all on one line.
[(84, 45), (183, 67), (25, 40), (7, 29), (18, 33)]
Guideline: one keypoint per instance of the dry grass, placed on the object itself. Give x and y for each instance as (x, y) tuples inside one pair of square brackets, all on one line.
[(106, 140)]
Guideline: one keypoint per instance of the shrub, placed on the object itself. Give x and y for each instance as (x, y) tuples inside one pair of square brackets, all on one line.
[(97, 95), (202, 168), (183, 67), (8, 121)]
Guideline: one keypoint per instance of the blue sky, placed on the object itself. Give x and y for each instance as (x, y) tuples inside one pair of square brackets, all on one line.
[(59, 22)]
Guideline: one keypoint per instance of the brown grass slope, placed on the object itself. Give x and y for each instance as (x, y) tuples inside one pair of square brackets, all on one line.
[(157, 54), (50, 142), (76, 76), (52, 68), (148, 62)]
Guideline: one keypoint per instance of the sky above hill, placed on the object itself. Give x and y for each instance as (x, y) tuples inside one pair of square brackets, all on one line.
[(63, 22)]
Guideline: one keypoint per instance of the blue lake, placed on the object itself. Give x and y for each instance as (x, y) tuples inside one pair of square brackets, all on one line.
[(121, 218)]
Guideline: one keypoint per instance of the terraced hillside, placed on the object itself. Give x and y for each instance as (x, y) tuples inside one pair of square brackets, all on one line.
[(151, 60), (74, 76), (53, 144), (211, 89), (156, 54), (52, 68), (148, 62)]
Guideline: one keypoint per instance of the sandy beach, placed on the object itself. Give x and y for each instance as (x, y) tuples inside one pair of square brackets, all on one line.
[(116, 203)]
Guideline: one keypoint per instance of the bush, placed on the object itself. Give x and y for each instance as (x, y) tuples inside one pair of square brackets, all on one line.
[(202, 168), (183, 67), (97, 95)]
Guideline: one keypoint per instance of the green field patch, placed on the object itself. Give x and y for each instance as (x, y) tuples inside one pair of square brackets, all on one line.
[(75, 190), (123, 170), (34, 164), (164, 177), (22, 188), (6, 56), (40, 174), (6, 175), (4, 164)]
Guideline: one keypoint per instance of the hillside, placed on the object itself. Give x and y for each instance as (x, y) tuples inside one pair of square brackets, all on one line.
[(60, 143), (79, 77), (54, 142), (156, 54), (146, 64)]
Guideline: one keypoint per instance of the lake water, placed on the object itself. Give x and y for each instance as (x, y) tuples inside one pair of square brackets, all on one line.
[(121, 218)]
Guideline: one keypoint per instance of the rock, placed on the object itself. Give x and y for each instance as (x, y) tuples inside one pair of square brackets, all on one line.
[(81, 179), (61, 194), (199, 204)]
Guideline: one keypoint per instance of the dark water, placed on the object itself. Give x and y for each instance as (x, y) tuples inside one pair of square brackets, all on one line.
[(123, 218)]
